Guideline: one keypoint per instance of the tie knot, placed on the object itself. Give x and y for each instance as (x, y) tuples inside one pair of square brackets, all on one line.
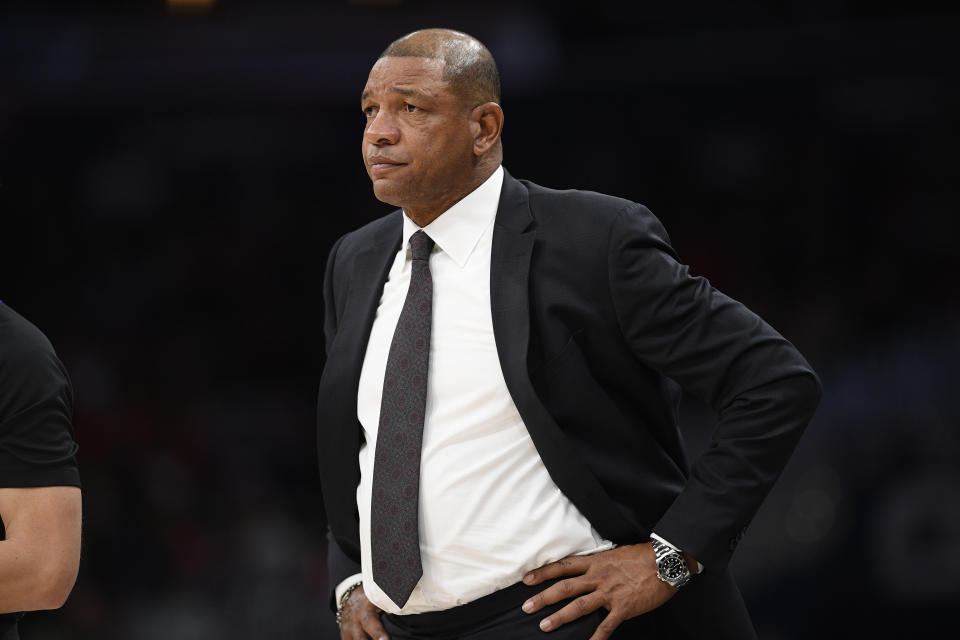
[(420, 245)]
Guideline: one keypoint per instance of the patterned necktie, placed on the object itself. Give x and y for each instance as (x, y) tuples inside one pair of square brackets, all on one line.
[(395, 533)]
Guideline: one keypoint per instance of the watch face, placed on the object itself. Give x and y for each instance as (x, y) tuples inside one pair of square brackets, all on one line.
[(673, 567)]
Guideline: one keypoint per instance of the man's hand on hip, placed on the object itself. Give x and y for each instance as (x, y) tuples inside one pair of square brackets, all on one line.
[(623, 581), (360, 618)]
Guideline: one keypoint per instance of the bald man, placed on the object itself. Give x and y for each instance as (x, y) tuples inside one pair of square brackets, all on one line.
[(498, 439), (40, 502)]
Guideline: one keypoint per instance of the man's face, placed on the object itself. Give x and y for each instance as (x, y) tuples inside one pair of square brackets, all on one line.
[(417, 140)]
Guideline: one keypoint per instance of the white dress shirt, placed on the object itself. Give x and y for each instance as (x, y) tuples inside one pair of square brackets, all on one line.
[(489, 511)]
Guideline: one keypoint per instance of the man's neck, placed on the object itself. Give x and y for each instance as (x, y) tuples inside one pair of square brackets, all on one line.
[(423, 216)]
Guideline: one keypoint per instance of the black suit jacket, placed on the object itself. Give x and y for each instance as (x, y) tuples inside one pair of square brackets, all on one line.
[(596, 323)]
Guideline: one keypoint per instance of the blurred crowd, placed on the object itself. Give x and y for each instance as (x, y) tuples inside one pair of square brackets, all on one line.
[(170, 185)]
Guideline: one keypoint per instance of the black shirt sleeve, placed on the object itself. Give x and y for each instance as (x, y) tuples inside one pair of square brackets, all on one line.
[(37, 446)]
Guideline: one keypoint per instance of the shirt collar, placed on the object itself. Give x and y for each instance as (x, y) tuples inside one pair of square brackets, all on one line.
[(457, 230)]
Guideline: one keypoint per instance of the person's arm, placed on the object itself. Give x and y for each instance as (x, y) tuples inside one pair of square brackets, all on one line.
[(359, 618), (40, 556), (764, 394), (331, 315), (763, 391), (39, 481), (343, 571)]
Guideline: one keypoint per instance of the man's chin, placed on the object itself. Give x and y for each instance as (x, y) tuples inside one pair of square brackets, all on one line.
[(386, 192)]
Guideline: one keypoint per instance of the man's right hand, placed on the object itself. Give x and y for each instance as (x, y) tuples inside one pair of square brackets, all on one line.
[(360, 618)]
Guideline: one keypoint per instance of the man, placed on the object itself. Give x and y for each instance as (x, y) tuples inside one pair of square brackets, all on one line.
[(498, 436), (40, 501)]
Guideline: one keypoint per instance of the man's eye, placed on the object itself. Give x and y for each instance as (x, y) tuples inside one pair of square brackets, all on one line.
[(368, 112), (409, 108)]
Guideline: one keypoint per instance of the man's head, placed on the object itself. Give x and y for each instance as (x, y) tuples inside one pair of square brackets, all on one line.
[(433, 121)]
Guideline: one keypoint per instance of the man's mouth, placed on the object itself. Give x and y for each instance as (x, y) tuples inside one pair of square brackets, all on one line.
[(382, 165)]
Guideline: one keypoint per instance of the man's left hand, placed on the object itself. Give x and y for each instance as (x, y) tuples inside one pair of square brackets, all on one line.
[(623, 581)]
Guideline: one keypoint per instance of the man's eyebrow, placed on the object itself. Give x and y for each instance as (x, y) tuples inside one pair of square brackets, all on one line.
[(401, 90), (406, 92)]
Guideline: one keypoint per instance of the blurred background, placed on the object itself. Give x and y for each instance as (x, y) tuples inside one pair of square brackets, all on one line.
[(173, 174)]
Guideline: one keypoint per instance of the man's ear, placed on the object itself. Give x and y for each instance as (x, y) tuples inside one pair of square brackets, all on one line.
[(488, 124)]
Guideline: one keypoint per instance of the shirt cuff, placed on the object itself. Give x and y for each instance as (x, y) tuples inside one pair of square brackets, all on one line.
[(346, 584), (666, 542)]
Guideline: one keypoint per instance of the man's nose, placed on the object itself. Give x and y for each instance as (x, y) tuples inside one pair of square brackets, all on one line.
[(382, 129)]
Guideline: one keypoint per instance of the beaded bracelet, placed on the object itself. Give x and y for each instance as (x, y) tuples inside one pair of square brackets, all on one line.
[(343, 600)]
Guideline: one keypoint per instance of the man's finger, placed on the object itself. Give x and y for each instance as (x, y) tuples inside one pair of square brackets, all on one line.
[(373, 626), (566, 567), (563, 590), (580, 607), (607, 627), (352, 631), (350, 628), (355, 632)]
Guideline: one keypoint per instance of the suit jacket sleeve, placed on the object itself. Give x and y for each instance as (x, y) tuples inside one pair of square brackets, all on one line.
[(339, 564), (340, 567), (331, 314), (762, 390)]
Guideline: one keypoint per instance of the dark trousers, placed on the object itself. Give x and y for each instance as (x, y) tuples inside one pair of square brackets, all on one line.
[(710, 607), (8, 626), (494, 617), (513, 624)]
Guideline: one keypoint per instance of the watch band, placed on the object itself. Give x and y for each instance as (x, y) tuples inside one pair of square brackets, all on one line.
[(660, 549)]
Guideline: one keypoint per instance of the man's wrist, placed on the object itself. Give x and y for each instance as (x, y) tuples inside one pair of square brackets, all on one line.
[(345, 584), (694, 565), (344, 598), (671, 565)]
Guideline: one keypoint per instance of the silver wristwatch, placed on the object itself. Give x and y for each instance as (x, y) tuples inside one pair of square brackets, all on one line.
[(671, 565)]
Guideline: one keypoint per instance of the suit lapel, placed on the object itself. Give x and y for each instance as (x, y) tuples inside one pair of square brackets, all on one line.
[(370, 271), (514, 236), (341, 378)]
